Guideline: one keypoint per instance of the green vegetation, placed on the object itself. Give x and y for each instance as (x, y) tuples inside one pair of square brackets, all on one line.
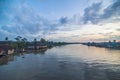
[(20, 43), (42, 40), (35, 43), (6, 38)]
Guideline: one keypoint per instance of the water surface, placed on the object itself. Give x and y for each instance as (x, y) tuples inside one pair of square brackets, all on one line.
[(70, 62)]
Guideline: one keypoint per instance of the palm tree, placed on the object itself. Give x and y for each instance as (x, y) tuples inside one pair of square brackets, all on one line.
[(35, 43), (18, 39), (25, 39), (42, 40), (24, 42), (6, 38)]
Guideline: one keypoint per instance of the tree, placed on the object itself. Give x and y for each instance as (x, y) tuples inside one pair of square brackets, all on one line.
[(18, 39), (14, 45), (23, 42), (42, 40), (6, 38), (35, 43), (20, 43), (24, 39)]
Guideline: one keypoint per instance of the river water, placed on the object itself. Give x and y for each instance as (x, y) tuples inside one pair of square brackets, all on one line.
[(69, 62)]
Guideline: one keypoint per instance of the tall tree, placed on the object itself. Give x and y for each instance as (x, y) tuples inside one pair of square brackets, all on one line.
[(42, 40), (35, 43), (23, 42), (18, 39), (6, 38)]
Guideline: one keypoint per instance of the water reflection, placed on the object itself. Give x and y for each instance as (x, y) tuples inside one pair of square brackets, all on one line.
[(70, 62), (5, 59)]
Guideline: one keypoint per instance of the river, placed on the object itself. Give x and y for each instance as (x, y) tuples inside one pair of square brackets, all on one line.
[(69, 62)]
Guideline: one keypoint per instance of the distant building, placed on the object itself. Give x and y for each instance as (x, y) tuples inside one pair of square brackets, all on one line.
[(118, 44), (38, 45), (112, 44), (30, 46)]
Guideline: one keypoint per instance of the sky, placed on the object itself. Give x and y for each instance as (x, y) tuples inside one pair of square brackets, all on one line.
[(60, 20)]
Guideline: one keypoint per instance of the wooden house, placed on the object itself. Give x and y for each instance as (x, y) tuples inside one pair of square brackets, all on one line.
[(6, 49)]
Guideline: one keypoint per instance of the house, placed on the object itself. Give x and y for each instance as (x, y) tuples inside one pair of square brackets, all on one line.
[(5, 42), (112, 44), (37, 46), (6, 49), (30, 46)]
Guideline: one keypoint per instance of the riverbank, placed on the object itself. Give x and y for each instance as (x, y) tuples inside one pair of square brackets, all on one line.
[(111, 45)]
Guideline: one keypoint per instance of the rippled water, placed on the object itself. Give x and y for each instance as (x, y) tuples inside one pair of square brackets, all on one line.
[(70, 62)]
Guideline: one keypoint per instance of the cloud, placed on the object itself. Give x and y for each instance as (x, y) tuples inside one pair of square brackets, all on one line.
[(91, 14), (63, 20), (24, 20), (4, 34), (112, 10), (97, 13)]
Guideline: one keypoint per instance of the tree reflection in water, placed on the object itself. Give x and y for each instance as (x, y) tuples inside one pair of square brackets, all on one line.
[(5, 59)]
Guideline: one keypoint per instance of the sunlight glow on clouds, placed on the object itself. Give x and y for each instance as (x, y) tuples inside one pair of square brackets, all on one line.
[(88, 20)]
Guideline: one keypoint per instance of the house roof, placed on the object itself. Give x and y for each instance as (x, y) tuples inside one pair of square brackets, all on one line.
[(5, 42), (5, 47)]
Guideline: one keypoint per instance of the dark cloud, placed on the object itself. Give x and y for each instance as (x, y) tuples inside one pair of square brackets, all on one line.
[(112, 10), (92, 13), (63, 20)]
